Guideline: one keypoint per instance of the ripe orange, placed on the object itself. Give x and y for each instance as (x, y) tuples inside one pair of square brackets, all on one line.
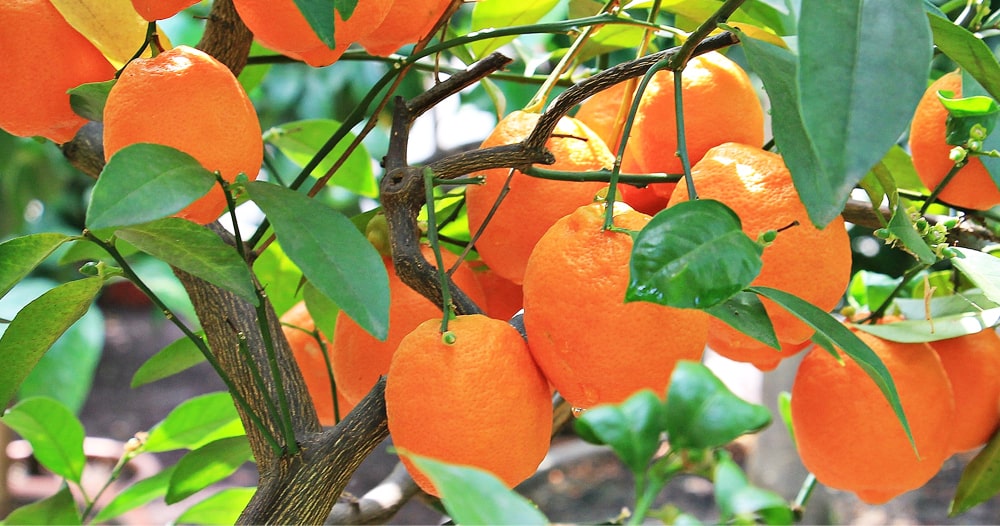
[(720, 105), (359, 358), (533, 204), (188, 100), (503, 298), (280, 25), (973, 365), (298, 326), (605, 113), (848, 435), (592, 346), (972, 187), (480, 401), (813, 264), (153, 10), (43, 57), (406, 22)]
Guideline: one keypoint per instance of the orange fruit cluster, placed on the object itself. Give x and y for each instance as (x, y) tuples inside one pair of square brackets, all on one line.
[(813, 264), (849, 437), (188, 100), (972, 187), (43, 57)]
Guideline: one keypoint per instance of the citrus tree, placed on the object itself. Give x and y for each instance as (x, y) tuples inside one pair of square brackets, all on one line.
[(633, 205)]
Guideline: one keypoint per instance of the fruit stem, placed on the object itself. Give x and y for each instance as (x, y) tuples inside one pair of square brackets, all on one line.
[(258, 379), (682, 150), (799, 505), (291, 446), (329, 374), (601, 175), (940, 187), (447, 310)]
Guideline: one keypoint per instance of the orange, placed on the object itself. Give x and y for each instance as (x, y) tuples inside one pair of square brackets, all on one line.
[(605, 113), (188, 100), (972, 187), (503, 298), (849, 437), (533, 204), (153, 10), (359, 358), (406, 23), (298, 327), (592, 346), (279, 25), (720, 105), (810, 263), (973, 365), (43, 56), (480, 401)]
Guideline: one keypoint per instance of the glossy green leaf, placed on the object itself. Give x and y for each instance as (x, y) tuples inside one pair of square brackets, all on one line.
[(743, 503), (964, 113), (207, 465), (320, 15), (830, 330), (87, 100), (850, 118), (703, 413), (474, 496), (678, 265), (137, 494), (980, 480), (143, 182), (37, 326), (223, 507), (323, 311), (332, 254), (66, 371), (901, 226), (493, 14), (57, 509), (632, 428), (971, 88), (982, 269), (196, 422), (941, 328), (195, 250), (20, 255), (172, 359), (55, 435), (300, 140), (968, 50), (745, 312)]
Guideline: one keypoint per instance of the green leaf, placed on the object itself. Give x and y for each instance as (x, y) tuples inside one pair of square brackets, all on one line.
[(966, 113), (680, 266), (968, 50), (279, 277), (143, 182), (980, 480), (207, 465), (196, 422), (703, 413), (632, 428), (982, 269), (941, 328), (972, 88), (66, 371), (785, 410), (323, 311), (195, 250), (223, 507), (830, 330), (849, 117), (332, 254), (745, 313), (738, 499), (20, 255), (319, 14), (870, 289), (300, 140), (474, 496), (57, 509), (37, 326), (493, 14), (55, 435), (87, 100), (172, 359), (138, 494), (900, 225)]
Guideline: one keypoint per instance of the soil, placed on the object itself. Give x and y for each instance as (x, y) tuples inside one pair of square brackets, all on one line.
[(587, 484)]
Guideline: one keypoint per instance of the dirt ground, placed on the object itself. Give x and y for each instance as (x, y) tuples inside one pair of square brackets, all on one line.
[(588, 485)]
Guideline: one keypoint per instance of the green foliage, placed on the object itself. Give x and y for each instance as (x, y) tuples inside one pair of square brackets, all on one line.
[(57, 509), (55, 435), (223, 507), (138, 494), (20, 255), (206, 465), (300, 141), (979, 481), (632, 429), (745, 312), (742, 503), (196, 422), (172, 359), (490, 14)]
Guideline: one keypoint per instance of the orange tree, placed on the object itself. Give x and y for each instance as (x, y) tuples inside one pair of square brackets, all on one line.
[(846, 85)]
